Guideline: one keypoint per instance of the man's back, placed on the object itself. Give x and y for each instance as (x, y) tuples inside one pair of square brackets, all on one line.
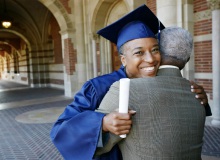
[(169, 122)]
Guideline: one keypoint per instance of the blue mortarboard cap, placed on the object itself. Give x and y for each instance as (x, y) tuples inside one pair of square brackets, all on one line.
[(140, 23)]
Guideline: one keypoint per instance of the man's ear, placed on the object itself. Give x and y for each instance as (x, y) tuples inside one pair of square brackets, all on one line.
[(123, 60)]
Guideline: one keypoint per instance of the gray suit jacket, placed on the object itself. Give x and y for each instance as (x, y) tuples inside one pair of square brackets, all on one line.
[(169, 122)]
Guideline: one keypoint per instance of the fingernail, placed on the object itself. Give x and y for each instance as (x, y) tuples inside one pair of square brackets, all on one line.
[(192, 90), (132, 111), (197, 96), (201, 102), (191, 86)]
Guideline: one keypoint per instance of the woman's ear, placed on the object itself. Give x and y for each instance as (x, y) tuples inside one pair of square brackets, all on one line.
[(123, 60)]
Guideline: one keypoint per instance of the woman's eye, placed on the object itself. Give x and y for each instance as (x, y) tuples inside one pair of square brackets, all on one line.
[(138, 53), (155, 50)]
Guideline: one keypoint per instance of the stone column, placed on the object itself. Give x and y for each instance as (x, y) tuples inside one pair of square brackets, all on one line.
[(178, 13), (109, 57), (102, 57), (188, 24), (135, 3), (94, 57), (70, 79), (215, 7), (105, 56), (167, 12), (80, 42), (89, 60)]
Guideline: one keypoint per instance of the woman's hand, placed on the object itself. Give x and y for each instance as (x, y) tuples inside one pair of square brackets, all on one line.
[(117, 123), (200, 92)]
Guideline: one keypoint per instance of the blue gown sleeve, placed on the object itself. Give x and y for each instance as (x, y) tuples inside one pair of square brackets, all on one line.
[(76, 132)]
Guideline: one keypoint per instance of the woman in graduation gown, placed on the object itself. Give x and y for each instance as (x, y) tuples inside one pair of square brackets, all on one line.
[(79, 129)]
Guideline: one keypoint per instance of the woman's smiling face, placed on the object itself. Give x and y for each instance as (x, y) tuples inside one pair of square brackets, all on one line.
[(141, 57)]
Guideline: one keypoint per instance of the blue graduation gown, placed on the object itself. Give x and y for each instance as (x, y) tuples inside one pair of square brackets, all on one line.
[(76, 132)]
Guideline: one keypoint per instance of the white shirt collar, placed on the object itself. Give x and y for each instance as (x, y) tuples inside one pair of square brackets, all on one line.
[(168, 66)]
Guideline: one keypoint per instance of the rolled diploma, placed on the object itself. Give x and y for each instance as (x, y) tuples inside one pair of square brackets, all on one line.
[(124, 97)]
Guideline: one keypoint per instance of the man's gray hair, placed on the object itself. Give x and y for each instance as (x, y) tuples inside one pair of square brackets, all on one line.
[(176, 42)]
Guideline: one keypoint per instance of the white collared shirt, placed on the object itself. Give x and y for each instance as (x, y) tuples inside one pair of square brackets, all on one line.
[(168, 66)]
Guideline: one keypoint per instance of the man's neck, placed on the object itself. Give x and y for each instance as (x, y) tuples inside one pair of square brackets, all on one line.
[(168, 66)]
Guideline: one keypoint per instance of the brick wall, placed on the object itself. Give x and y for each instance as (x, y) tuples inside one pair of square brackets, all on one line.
[(203, 56), (70, 57), (203, 49), (15, 42), (66, 5), (200, 5), (6, 48), (207, 84), (152, 5), (203, 27), (56, 41)]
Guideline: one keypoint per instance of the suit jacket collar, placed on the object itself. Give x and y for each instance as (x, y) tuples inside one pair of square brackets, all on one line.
[(169, 72)]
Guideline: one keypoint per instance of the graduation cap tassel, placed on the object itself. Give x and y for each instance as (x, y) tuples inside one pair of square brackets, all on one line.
[(158, 32)]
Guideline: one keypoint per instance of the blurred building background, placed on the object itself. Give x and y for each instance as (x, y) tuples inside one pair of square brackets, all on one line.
[(53, 43)]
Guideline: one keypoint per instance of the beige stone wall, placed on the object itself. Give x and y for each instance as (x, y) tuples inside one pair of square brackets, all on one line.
[(63, 50)]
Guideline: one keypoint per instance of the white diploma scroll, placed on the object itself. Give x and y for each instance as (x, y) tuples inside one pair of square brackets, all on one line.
[(124, 97)]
